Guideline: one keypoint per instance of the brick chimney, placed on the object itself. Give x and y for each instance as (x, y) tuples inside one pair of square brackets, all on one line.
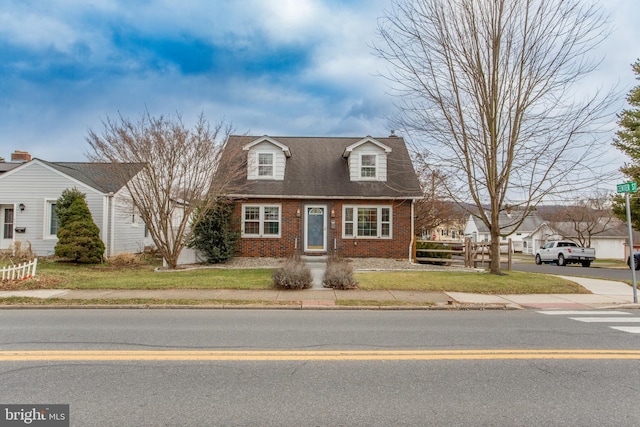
[(20, 156)]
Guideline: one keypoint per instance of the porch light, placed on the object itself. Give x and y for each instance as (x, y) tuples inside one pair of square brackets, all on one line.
[(333, 213), (21, 207), (298, 213)]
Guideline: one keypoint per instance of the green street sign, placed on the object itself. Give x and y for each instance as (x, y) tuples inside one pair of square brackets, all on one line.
[(627, 187)]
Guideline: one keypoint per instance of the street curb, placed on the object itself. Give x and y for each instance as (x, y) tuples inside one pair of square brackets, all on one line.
[(295, 306)]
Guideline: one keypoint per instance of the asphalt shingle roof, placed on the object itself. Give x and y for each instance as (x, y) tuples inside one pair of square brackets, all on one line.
[(317, 168), (105, 177)]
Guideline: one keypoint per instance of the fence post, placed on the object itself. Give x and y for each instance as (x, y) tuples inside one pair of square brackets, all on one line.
[(467, 252), (414, 255)]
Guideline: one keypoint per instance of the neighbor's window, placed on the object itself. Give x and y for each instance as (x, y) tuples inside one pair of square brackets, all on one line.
[(367, 221), (51, 225), (261, 220), (8, 224), (368, 166), (265, 164)]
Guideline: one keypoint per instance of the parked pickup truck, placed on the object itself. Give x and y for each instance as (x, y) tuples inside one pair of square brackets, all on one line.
[(563, 252)]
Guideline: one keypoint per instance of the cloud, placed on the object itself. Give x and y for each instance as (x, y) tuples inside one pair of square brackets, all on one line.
[(290, 67)]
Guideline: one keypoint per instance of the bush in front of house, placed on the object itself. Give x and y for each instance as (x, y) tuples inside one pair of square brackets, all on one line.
[(339, 274), (294, 274), (214, 236), (435, 254), (78, 236)]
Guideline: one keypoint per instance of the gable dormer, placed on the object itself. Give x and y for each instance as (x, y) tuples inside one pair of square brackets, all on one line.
[(266, 159), (367, 160)]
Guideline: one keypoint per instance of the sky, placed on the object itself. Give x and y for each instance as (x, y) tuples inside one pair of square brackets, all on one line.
[(275, 67)]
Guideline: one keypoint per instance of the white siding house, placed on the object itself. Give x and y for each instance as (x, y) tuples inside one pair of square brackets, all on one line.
[(28, 193), (610, 242), (478, 231)]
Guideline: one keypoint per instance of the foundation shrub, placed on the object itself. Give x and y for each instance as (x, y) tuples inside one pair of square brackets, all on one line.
[(126, 260), (294, 274), (429, 245), (18, 252), (339, 274)]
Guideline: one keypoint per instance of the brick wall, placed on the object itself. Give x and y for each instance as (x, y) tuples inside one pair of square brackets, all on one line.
[(292, 231)]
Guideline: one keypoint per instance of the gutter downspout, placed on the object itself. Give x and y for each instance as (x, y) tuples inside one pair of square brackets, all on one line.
[(110, 224), (413, 234)]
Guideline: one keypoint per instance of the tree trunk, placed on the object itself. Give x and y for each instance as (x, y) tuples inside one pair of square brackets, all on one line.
[(494, 232), (172, 261)]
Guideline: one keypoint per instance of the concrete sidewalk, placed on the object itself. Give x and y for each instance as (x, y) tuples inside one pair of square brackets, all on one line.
[(604, 294)]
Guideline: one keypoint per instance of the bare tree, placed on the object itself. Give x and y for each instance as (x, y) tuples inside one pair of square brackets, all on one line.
[(182, 177), (490, 86), (435, 209), (588, 217)]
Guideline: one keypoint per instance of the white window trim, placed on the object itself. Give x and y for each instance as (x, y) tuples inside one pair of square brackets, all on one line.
[(355, 221), (375, 161), (262, 220), (273, 165), (46, 235)]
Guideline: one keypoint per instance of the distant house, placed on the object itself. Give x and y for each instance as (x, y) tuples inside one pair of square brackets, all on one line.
[(479, 232), (319, 195), (17, 158), (29, 191)]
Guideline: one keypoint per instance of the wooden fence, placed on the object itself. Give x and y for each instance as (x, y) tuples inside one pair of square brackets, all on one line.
[(468, 253), (23, 271)]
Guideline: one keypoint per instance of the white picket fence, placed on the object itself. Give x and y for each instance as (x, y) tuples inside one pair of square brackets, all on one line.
[(22, 271)]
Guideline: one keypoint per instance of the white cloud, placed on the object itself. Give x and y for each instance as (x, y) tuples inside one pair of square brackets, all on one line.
[(36, 31)]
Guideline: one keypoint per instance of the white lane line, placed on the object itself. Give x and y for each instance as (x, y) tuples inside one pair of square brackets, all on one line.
[(630, 329), (607, 319), (580, 312)]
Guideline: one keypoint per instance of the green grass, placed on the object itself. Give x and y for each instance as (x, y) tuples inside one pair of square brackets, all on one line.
[(368, 303), (61, 275), (512, 282), (142, 302)]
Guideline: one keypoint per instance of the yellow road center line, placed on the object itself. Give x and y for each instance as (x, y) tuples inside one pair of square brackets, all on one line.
[(301, 355)]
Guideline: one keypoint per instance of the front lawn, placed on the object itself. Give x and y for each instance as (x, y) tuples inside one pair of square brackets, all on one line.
[(512, 282), (62, 275)]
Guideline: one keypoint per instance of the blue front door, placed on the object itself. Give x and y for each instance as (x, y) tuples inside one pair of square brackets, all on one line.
[(315, 228)]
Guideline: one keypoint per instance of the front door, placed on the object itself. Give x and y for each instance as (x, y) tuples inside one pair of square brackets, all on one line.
[(6, 232), (315, 228)]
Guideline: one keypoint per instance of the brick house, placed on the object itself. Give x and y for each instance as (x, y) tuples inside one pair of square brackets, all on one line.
[(322, 195)]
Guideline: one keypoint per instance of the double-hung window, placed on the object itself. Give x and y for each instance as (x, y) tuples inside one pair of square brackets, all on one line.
[(368, 166), (8, 224), (261, 220), (367, 221), (51, 220), (265, 165)]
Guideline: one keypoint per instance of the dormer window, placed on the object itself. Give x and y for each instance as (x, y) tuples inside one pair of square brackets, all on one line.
[(265, 165), (368, 166), (367, 160), (266, 159)]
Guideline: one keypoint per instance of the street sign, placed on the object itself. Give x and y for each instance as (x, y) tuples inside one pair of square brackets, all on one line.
[(627, 187)]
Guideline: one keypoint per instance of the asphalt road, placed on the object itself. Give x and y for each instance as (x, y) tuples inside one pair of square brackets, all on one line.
[(577, 270), (449, 380)]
